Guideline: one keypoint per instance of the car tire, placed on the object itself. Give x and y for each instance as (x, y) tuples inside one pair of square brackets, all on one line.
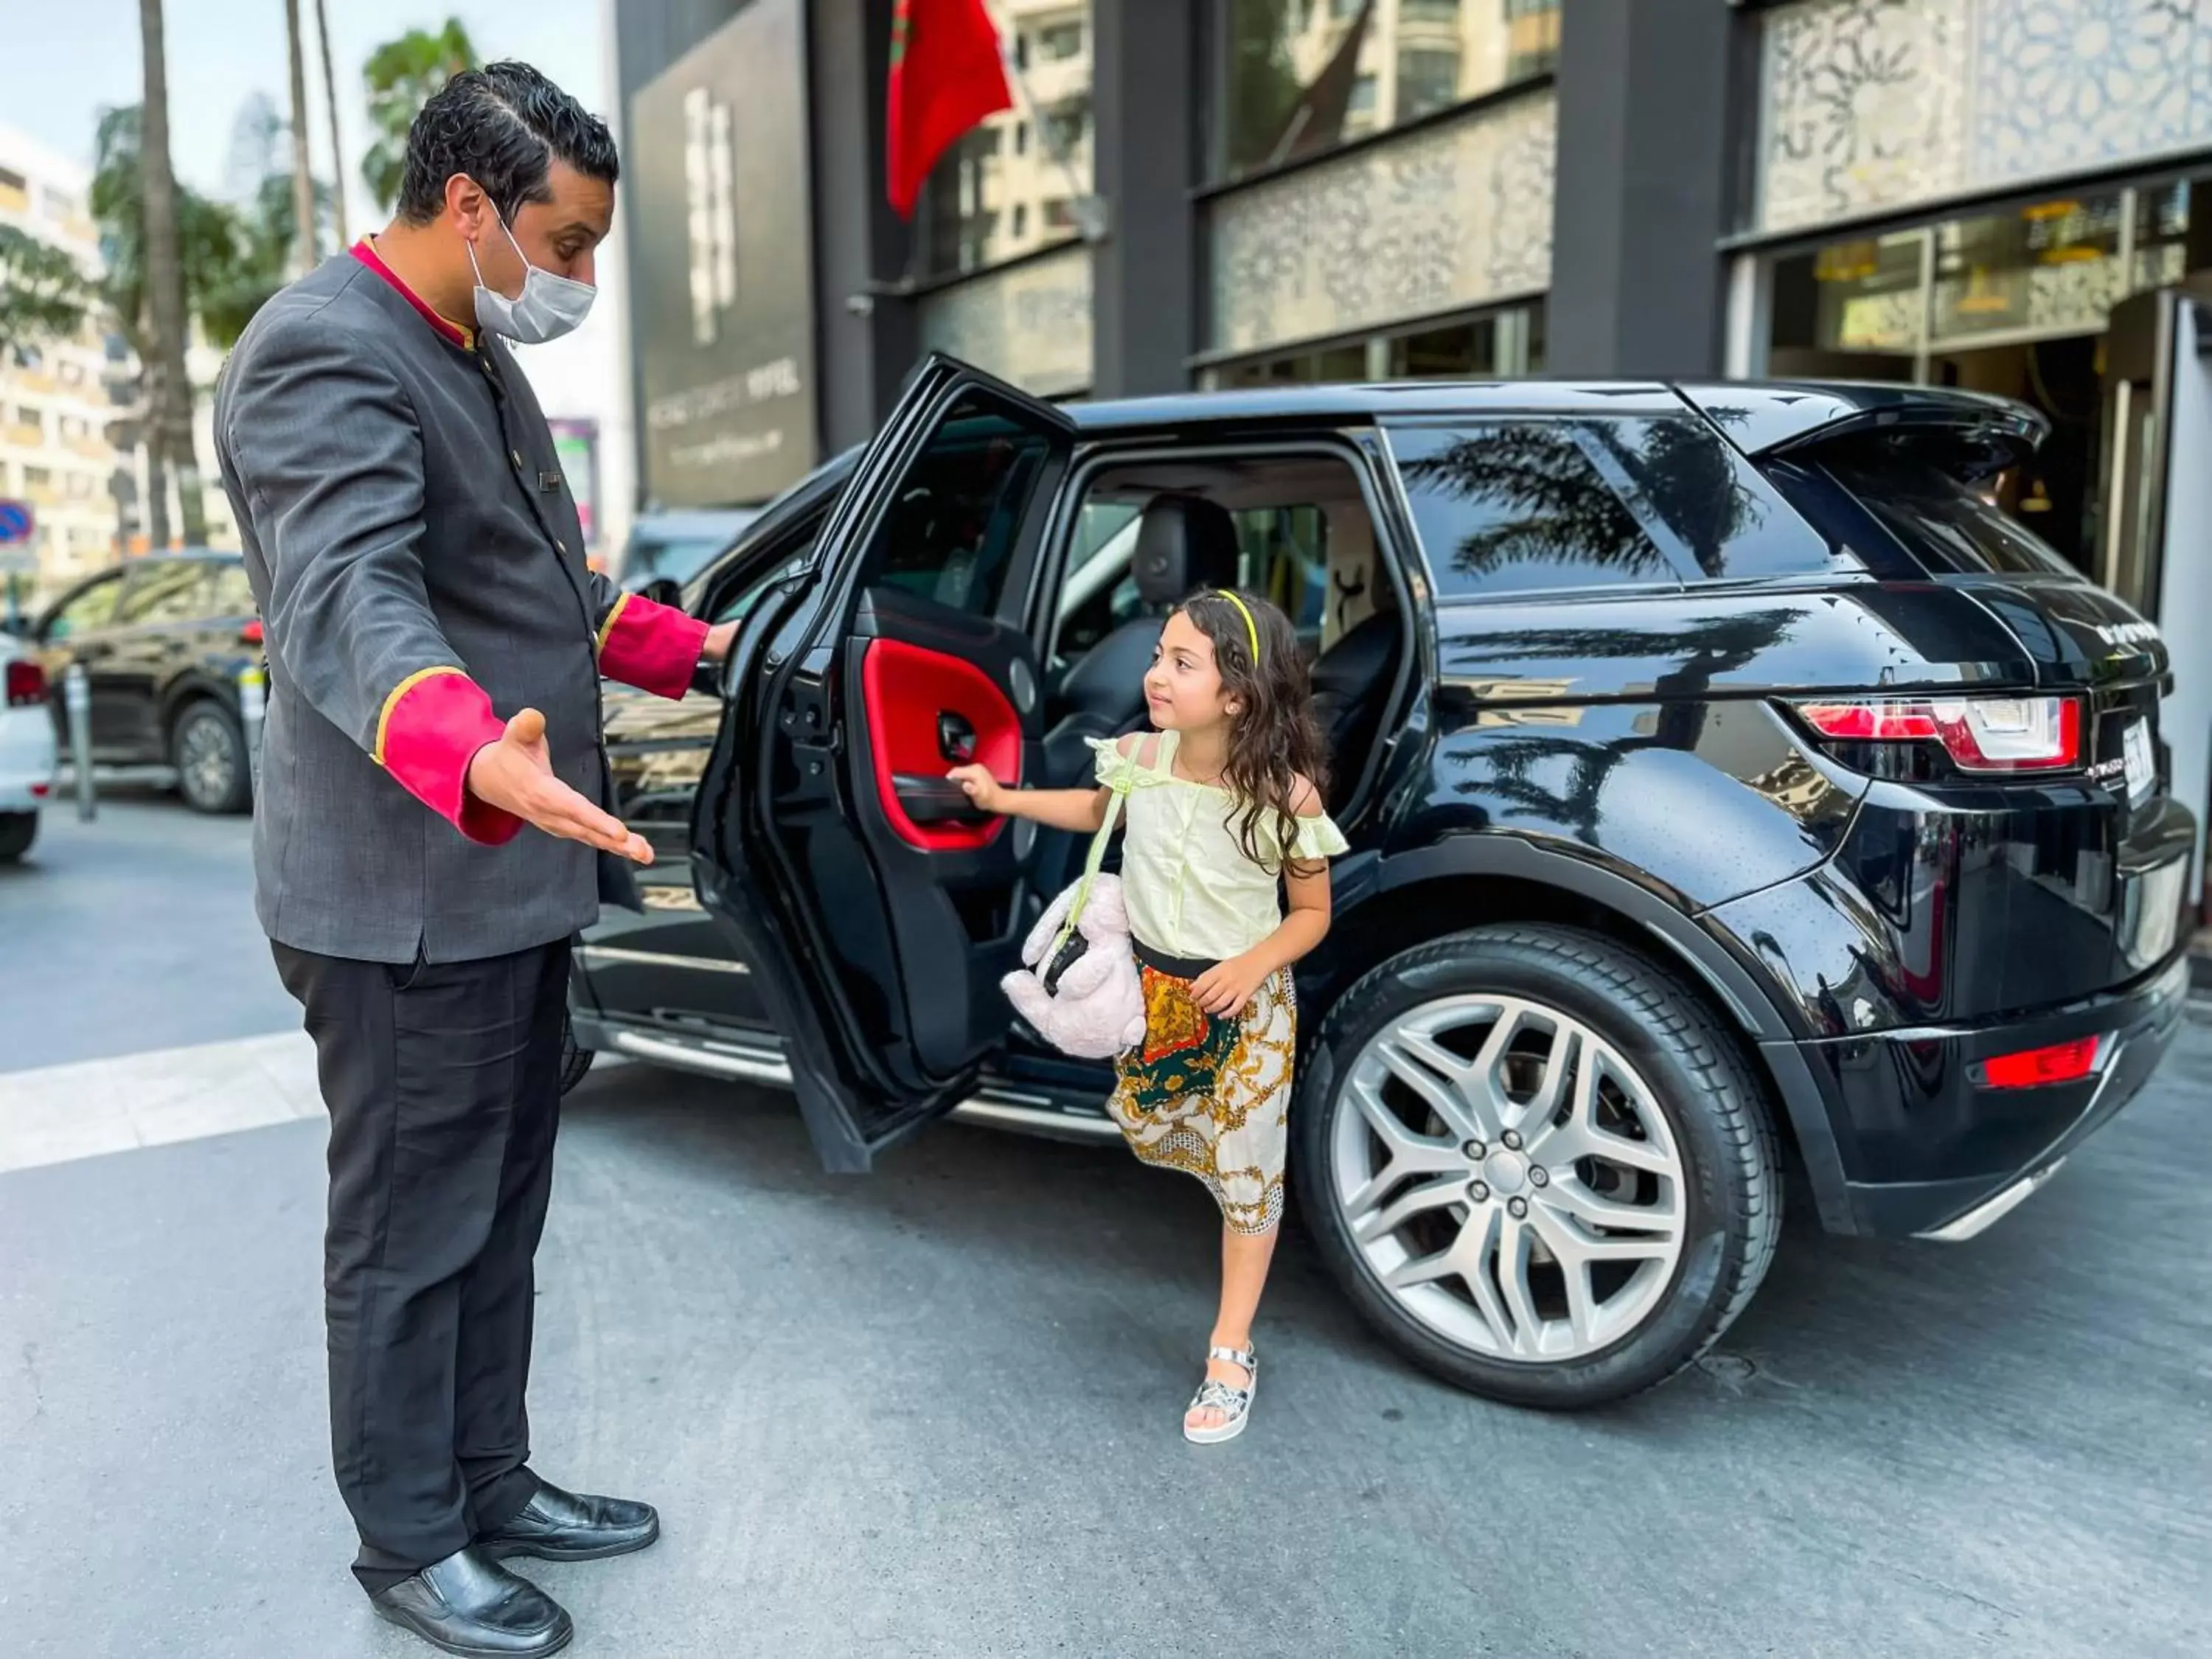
[(17, 831), (575, 1062), (207, 749), (1682, 1147)]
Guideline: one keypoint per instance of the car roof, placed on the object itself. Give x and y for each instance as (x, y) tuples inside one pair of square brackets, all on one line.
[(1761, 415)]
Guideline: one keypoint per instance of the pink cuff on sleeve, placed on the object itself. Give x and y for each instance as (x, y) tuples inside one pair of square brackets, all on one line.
[(432, 726), (654, 648)]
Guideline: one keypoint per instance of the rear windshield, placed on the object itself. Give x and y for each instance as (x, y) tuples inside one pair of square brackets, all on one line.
[(1945, 525)]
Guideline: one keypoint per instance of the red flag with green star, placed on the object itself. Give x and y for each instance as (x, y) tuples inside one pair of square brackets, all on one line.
[(946, 75)]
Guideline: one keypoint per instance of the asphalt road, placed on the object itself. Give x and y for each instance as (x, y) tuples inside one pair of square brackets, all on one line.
[(131, 932), (932, 1412)]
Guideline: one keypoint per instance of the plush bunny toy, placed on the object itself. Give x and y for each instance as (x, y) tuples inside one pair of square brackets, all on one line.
[(1095, 1009)]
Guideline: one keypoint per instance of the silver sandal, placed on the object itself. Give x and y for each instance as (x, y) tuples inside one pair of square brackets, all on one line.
[(1234, 1404)]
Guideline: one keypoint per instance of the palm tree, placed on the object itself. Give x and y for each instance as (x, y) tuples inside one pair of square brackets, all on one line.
[(330, 105), (230, 262), (303, 169), (168, 382), (402, 77)]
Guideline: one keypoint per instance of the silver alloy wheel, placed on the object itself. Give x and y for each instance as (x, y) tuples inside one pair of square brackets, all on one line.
[(207, 760), (1509, 1177)]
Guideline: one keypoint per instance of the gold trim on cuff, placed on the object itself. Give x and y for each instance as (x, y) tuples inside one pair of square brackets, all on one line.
[(607, 627), (383, 715)]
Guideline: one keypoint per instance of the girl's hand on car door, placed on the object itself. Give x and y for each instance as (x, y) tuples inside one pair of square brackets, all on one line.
[(986, 791)]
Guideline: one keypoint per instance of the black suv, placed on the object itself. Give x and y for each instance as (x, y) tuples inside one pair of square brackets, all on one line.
[(1727, 782), (162, 642)]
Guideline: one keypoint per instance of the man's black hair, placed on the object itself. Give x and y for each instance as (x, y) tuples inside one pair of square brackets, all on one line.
[(502, 126)]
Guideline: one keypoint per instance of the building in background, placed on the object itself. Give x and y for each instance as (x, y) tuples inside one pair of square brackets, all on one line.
[(54, 444), (2014, 196)]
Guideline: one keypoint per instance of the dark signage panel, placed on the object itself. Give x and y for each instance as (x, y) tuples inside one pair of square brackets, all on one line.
[(724, 311)]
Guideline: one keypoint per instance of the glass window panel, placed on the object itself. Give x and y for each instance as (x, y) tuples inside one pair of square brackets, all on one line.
[(93, 608), (2050, 265), (1518, 506), (1305, 75), (172, 591), (951, 534), (990, 198), (2162, 254)]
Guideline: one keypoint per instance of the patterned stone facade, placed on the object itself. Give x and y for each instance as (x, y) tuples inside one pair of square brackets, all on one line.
[(1874, 105), (1453, 216), (1030, 323)]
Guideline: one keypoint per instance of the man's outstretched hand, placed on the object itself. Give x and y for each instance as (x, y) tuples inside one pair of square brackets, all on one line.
[(516, 775)]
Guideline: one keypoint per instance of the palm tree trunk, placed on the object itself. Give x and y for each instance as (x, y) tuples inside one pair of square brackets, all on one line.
[(170, 383), (331, 99), (303, 174)]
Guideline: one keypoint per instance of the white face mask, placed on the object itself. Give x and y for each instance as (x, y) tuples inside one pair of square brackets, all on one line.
[(548, 306)]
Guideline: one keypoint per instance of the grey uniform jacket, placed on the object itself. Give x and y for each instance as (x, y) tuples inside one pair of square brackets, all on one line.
[(404, 516)]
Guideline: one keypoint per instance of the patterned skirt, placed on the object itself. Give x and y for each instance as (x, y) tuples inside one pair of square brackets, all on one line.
[(1211, 1094)]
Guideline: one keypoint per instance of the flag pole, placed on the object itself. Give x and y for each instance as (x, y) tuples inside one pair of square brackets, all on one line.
[(1086, 205)]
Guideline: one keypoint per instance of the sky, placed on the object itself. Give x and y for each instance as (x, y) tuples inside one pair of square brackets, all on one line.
[(66, 59)]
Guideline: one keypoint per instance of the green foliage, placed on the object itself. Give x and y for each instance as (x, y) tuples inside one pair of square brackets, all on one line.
[(234, 260), (43, 294), (402, 76)]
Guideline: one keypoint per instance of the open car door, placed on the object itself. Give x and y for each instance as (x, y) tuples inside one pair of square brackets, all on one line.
[(877, 909)]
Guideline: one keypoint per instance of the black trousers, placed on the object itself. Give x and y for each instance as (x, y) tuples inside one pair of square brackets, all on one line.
[(444, 1088)]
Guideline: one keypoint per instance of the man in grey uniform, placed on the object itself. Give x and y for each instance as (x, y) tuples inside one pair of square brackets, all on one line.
[(432, 816)]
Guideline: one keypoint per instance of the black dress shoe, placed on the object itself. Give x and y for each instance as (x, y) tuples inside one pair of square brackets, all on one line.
[(470, 1604), (563, 1525)]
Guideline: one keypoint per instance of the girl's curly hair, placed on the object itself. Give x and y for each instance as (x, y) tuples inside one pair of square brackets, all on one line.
[(1273, 739)]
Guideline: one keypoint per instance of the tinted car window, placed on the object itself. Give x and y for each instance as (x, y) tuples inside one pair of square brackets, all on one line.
[(233, 595), (1943, 522), (1511, 506), (951, 534), (93, 608), (168, 593), (1701, 501)]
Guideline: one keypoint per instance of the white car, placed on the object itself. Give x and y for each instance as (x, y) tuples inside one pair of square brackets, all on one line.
[(27, 748)]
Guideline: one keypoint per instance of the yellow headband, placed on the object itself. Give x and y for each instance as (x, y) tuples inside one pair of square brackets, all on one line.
[(1250, 627)]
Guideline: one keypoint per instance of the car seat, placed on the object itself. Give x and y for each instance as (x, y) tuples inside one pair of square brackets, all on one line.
[(1352, 683), (1184, 543)]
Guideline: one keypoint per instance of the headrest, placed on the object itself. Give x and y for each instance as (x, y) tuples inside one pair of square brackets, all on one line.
[(1184, 543)]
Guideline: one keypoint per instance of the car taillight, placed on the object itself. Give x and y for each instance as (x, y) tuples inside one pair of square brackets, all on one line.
[(250, 633), (26, 685), (1980, 734), (2032, 1068)]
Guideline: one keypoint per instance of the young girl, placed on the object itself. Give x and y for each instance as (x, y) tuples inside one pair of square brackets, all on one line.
[(1223, 808)]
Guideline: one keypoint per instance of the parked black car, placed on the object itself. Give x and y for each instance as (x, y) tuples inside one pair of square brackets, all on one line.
[(162, 640), (1726, 780)]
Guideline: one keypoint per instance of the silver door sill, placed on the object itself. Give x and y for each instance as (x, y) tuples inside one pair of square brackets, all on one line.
[(996, 1108)]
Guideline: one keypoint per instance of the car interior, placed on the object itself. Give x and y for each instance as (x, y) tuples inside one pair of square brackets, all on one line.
[(1295, 527)]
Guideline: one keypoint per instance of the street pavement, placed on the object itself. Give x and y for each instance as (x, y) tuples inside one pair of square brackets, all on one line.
[(932, 1410)]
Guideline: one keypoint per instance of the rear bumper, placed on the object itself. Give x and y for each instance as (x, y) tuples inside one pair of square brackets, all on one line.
[(27, 759), (1926, 1151)]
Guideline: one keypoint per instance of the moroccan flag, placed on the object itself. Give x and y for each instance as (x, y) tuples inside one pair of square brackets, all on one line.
[(946, 75)]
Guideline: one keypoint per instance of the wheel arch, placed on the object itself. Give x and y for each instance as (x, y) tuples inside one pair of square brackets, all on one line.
[(1391, 903), (194, 685)]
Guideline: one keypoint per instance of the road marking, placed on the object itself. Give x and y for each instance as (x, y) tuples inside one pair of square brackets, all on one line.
[(60, 1112)]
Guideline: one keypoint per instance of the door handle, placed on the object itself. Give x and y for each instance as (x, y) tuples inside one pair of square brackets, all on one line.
[(956, 738)]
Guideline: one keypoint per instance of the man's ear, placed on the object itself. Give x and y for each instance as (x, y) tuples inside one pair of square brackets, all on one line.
[(467, 204)]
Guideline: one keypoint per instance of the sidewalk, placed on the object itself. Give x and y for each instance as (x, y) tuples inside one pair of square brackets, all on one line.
[(58, 1113)]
